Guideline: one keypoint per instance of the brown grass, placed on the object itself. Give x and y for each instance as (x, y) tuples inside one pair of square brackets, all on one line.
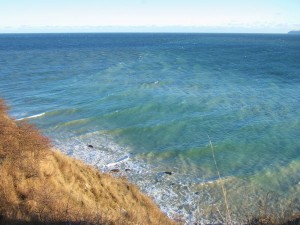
[(38, 184)]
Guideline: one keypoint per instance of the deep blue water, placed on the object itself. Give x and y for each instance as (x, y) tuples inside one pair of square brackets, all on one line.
[(161, 95)]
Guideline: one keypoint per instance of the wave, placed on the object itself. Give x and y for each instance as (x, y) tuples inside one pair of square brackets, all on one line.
[(33, 116), (119, 161)]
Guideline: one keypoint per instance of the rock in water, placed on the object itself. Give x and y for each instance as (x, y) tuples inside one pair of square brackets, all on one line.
[(169, 173)]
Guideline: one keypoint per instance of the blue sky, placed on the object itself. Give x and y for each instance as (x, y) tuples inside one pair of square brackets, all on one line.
[(267, 16)]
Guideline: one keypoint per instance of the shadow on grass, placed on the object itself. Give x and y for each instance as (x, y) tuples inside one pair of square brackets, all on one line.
[(20, 222)]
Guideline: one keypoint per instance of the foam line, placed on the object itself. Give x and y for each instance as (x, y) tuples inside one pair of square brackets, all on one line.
[(118, 161), (34, 116)]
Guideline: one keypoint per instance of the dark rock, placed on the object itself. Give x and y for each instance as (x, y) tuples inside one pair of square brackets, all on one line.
[(197, 193), (90, 146), (127, 170), (169, 173), (115, 170)]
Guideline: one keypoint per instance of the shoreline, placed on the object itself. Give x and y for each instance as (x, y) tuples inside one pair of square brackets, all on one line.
[(40, 185), (176, 195), (188, 202)]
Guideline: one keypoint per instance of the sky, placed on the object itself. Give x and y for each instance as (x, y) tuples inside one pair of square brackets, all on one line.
[(251, 16)]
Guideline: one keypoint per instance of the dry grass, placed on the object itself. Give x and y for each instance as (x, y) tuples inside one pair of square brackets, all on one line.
[(38, 184), (228, 213)]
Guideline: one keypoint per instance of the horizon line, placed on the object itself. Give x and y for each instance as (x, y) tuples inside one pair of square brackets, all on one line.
[(138, 32), (147, 29)]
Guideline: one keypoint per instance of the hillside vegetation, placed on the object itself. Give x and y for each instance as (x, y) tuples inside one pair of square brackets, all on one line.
[(41, 185)]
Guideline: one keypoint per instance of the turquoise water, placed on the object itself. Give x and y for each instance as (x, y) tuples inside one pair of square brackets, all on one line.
[(155, 99)]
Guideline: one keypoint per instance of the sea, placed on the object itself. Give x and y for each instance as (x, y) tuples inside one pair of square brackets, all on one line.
[(205, 124)]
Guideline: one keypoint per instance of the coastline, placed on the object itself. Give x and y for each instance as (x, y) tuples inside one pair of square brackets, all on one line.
[(39, 177), (177, 195), (42, 185)]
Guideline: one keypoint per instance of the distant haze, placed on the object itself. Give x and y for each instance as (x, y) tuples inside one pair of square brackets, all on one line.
[(269, 16)]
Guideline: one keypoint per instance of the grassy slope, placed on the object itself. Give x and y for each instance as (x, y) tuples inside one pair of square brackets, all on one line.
[(40, 184)]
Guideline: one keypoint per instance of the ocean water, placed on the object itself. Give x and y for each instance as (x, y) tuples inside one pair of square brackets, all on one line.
[(149, 103)]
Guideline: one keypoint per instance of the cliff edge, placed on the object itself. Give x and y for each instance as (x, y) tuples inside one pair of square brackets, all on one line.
[(41, 185)]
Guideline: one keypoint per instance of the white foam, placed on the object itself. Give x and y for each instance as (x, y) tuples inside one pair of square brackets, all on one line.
[(33, 116), (122, 160)]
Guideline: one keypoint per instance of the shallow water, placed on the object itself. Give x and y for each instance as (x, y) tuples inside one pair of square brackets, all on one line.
[(148, 103)]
